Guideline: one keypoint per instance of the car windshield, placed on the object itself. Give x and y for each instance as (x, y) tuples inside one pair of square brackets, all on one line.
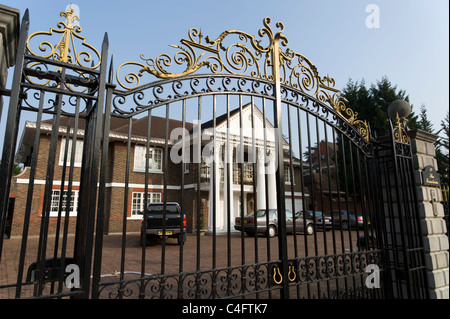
[(317, 214), (352, 214), (259, 213), (158, 208), (337, 213)]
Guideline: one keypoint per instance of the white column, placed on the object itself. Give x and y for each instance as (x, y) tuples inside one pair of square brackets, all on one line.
[(212, 209), (216, 157), (271, 181), (260, 180), (228, 182)]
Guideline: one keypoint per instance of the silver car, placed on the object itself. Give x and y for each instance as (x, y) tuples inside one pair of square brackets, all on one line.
[(271, 228), (348, 219)]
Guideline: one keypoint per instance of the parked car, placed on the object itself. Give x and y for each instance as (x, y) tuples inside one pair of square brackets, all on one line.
[(320, 218), (347, 219), (174, 224), (271, 228)]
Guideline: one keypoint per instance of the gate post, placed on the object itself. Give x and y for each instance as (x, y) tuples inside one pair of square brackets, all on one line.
[(431, 213), (415, 241), (403, 240)]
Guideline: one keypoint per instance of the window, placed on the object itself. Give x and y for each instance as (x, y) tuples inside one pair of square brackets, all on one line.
[(78, 152), (138, 202), (56, 197), (205, 169), (248, 172), (287, 174), (154, 159)]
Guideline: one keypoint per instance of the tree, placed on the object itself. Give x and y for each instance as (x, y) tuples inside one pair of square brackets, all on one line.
[(372, 104), (17, 168), (442, 151), (424, 123)]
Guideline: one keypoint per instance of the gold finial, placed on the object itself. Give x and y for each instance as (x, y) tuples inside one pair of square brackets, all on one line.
[(70, 16), (400, 134), (64, 43), (200, 36)]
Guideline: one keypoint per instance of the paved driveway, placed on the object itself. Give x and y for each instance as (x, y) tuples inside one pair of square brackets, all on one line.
[(229, 251)]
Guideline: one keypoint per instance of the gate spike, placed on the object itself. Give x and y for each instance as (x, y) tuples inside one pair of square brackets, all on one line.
[(111, 72), (106, 39)]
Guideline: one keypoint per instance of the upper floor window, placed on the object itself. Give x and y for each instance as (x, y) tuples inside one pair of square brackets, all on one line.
[(78, 152), (287, 174), (155, 156)]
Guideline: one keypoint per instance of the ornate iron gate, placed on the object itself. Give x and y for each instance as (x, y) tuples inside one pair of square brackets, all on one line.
[(262, 132)]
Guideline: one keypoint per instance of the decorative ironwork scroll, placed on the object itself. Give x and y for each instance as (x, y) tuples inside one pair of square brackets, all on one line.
[(66, 50), (399, 131), (239, 53)]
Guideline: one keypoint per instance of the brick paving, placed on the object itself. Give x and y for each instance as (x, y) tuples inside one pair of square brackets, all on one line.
[(228, 253)]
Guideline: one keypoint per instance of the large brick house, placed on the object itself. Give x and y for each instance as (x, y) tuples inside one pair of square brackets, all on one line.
[(117, 205)]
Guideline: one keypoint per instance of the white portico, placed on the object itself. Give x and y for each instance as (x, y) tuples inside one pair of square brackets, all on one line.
[(236, 152)]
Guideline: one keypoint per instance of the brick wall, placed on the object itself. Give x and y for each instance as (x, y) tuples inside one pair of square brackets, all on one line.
[(115, 196)]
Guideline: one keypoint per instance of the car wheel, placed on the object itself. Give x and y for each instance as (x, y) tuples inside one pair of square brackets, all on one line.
[(345, 225), (272, 231), (309, 229)]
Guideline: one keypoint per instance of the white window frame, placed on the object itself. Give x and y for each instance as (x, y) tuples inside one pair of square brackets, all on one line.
[(78, 152), (186, 162), (287, 175), (139, 159), (137, 202), (54, 205)]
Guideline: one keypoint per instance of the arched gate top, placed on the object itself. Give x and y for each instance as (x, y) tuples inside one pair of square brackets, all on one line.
[(238, 53), (234, 53)]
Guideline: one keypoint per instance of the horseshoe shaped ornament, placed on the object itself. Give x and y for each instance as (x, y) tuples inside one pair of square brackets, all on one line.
[(275, 270), (292, 271)]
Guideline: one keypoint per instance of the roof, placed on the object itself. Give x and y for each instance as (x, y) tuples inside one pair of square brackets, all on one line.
[(118, 131), (138, 126)]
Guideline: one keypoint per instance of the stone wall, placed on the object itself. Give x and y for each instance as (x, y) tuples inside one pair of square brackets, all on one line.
[(434, 229)]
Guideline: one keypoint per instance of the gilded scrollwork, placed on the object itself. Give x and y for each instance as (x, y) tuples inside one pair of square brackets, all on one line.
[(399, 131), (66, 50), (247, 56)]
